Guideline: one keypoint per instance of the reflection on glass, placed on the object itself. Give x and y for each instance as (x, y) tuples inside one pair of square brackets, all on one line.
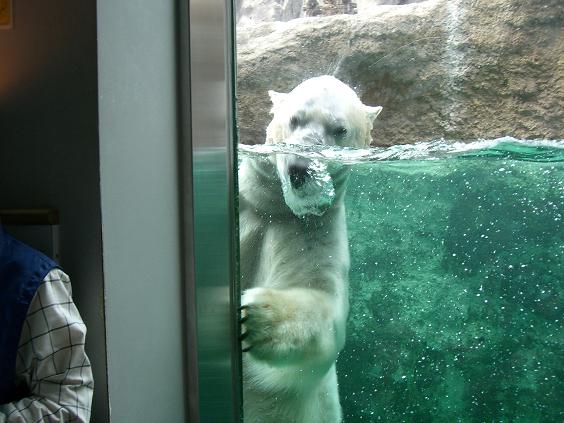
[(455, 245)]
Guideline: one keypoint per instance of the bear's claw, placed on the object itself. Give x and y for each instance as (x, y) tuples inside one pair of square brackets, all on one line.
[(244, 336), (243, 313), (242, 319)]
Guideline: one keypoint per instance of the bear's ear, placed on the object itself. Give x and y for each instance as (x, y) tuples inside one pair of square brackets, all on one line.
[(276, 98), (372, 112)]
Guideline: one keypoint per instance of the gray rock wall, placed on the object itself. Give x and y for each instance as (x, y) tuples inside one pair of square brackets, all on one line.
[(254, 11), (461, 69)]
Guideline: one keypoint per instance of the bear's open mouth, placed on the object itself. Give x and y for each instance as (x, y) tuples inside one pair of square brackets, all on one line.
[(299, 174), (306, 184)]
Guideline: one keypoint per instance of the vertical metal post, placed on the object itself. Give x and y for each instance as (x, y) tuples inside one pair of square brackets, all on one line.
[(209, 166)]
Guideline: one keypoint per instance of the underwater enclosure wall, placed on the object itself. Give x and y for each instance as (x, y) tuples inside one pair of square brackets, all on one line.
[(457, 280)]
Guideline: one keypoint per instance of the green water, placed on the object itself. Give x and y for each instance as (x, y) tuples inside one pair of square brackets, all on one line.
[(456, 286)]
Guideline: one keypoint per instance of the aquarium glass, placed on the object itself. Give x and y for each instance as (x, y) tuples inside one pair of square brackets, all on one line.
[(453, 212)]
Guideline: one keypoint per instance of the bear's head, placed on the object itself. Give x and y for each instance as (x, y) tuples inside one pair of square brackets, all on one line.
[(321, 111)]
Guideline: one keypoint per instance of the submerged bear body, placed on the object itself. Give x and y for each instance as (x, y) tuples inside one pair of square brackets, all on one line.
[(295, 257)]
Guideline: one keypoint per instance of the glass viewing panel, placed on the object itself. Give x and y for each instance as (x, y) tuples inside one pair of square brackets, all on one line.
[(401, 187)]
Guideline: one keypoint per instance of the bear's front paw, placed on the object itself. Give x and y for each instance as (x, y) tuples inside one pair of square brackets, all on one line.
[(269, 328)]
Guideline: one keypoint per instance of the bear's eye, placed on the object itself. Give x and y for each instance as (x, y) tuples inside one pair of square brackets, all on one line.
[(340, 131), (294, 122)]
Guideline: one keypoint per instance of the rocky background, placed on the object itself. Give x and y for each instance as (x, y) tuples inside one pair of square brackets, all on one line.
[(454, 69)]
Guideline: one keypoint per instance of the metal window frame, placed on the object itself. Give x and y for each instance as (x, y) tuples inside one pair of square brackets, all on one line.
[(208, 198)]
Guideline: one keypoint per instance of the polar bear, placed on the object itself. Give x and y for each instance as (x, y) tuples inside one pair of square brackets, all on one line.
[(295, 257)]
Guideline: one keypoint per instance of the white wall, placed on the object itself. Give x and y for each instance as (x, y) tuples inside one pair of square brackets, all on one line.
[(140, 202)]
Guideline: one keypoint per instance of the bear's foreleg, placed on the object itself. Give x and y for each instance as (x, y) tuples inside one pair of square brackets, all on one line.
[(293, 326)]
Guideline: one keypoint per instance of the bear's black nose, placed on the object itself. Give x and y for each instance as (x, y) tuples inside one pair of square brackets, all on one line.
[(298, 174)]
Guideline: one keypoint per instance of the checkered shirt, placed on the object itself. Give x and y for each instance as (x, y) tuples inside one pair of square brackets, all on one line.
[(51, 361)]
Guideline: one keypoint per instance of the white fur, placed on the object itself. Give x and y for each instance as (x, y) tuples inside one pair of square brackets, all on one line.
[(294, 269)]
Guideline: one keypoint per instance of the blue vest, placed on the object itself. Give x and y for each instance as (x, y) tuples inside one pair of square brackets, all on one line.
[(22, 270)]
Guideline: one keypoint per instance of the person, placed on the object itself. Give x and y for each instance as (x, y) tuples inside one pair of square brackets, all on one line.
[(45, 374)]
